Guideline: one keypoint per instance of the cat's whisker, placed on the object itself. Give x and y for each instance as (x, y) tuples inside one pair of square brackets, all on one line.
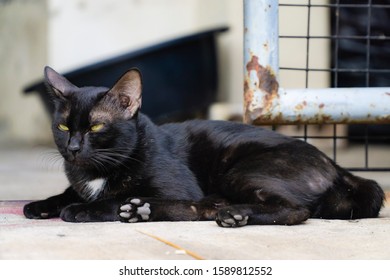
[(114, 161), (99, 165), (103, 160), (52, 160), (117, 153)]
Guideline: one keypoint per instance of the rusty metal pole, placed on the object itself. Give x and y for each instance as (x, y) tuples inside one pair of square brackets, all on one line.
[(330, 105), (267, 103), (261, 54)]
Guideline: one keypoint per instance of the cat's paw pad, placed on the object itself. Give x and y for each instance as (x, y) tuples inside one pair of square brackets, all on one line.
[(134, 210), (231, 218)]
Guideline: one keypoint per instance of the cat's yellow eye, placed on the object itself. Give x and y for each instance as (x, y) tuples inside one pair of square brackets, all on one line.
[(63, 127), (97, 127)]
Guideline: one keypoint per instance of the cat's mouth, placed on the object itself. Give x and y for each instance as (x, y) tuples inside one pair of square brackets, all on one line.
[(77, 160)]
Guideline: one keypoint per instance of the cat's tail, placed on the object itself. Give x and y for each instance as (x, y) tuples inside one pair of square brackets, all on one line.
[(351, 197), (367, 196)]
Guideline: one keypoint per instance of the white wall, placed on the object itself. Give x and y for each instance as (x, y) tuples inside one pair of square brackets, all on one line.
[(84, 31), (23, 51)]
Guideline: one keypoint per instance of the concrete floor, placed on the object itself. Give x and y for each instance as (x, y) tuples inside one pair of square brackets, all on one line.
[(30, 174)]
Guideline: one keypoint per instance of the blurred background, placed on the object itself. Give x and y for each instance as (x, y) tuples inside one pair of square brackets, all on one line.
[(69, 35)]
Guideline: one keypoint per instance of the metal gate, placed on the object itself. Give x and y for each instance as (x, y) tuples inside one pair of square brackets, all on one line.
[(266, 102)]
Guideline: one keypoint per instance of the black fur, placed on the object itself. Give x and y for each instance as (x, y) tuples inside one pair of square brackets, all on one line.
[(197, 170)]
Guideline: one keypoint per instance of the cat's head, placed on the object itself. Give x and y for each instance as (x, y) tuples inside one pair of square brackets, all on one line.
[(94, 127)]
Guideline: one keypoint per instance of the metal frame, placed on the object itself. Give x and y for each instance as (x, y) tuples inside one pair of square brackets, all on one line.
[(265, 102)]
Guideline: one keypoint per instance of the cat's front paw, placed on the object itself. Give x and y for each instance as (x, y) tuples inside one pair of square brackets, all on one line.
[(231, 217), (134, 210), (96, 211), (76, 213), (43, 209)]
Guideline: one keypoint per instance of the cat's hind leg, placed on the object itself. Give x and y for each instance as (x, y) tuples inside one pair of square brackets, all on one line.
[(137, 209), (263, 200), (249, 214), (134, 210)]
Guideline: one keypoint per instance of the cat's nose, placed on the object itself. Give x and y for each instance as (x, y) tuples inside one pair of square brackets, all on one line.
[(74, 145), (74, 148)]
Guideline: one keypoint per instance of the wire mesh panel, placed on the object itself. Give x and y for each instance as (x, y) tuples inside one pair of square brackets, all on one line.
[(339, 44)]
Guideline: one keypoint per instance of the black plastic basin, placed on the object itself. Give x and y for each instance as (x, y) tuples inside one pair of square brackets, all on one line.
[(180, 76)]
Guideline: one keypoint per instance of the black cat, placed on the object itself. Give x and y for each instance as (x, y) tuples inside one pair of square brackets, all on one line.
[(123, 167)]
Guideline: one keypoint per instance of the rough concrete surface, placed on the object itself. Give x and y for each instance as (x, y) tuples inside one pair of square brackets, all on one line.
[(316, 239), (25, 176)]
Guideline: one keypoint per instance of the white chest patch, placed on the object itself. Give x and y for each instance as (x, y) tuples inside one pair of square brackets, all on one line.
[(94, 188)]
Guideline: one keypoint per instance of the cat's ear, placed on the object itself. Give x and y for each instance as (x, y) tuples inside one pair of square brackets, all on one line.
[(61, 87), (128, 91)]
